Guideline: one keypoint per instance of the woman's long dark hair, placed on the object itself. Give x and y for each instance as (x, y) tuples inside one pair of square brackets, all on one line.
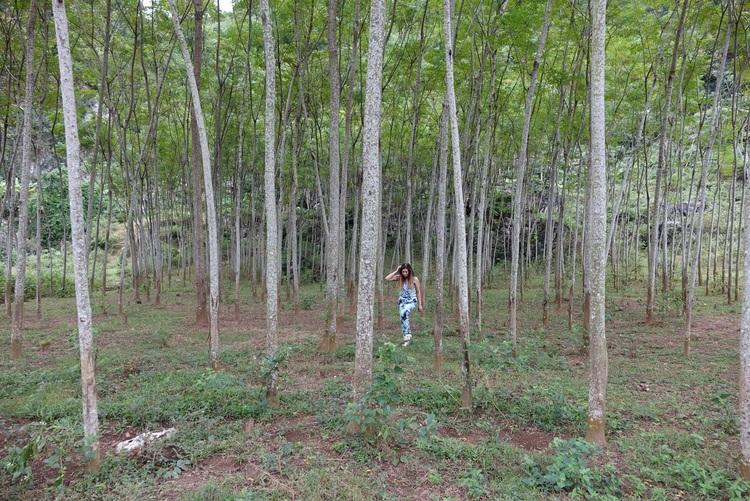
[(411, 274)]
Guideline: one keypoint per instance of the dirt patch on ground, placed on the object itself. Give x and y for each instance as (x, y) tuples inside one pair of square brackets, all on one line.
[(302, 430), (529, 439), (629, 304), (472, 436)]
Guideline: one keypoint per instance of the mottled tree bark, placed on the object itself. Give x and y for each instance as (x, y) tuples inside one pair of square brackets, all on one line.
[(213, 238), (83, 304), (199, 232), (370, 201), (272, 273), (744, 410), (458, 206), (16, 329), (332, 241), (437, 325), (596, 231)]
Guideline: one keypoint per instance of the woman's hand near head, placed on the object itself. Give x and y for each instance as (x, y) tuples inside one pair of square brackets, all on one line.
[(394, 275)]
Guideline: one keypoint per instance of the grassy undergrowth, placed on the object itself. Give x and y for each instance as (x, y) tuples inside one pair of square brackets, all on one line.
[(672, 424)]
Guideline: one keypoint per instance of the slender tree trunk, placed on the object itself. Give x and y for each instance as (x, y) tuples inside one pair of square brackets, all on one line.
[(332, 243), (370, 200), (463, 280), (213, 239), (347, 154), (199, 235), (596, 233), (237, 215), (272, 274), (428, 225), (745, 344), (437, 325), (416, 90), (354, 245), (16, 331), (83, 305), (38, 241), (741, 224), (293, 237)]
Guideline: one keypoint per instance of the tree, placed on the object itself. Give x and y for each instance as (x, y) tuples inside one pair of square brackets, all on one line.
[(77, 228), (272, 274), (596, 231), (332, 242), (213, 239), (199, 235), (437, 325), (745, 345), (370, 200), (458, 206), (16, 333)]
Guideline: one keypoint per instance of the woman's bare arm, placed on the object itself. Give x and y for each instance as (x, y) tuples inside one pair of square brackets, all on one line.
[(394, 275), (420, 293)]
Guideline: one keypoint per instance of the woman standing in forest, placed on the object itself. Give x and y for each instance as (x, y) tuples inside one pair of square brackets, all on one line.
[(410, 295)]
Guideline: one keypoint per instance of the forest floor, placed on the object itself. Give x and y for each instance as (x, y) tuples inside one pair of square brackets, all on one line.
[(672, 420)]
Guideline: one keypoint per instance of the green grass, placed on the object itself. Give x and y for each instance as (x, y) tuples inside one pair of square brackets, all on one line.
[(672, 423)]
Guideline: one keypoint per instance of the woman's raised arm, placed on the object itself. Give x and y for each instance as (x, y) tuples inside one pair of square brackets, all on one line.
[(394, 275)]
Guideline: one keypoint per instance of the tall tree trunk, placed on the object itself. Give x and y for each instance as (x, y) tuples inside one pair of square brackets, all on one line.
[(437, 325), (520, 175), (348, 147), (458, 197), (293, 237), (213, 238), (745, 344), (332, 243), (596, 231), (83, 305), (38, 241), (272, 272), (370, 200), (237, 216), (199, 235), (416, 91), (16, 331), (352, 271), (10, 203)]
